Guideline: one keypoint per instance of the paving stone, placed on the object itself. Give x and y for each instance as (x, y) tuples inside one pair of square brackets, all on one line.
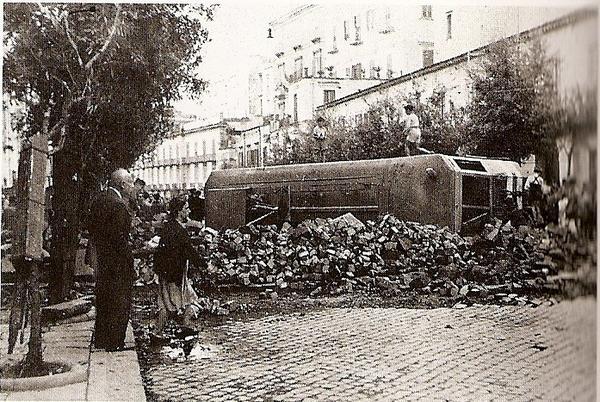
[(398, 354)]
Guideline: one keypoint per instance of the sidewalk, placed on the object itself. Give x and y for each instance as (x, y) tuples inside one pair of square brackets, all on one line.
[(96, 375)]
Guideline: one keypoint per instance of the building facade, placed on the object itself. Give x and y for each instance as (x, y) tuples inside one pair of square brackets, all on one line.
[(321, 54), (182, 161), (460, 29), (570, 41), (185, 159)]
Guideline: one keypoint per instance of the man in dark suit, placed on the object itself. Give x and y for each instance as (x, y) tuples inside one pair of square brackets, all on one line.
[(109, 226)]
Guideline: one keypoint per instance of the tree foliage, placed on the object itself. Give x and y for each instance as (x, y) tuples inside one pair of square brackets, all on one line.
[(104, 74), (99, 80), (577, 116), (378, 133), (514, 103)]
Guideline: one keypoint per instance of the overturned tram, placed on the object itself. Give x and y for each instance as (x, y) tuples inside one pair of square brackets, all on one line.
[(431, 189)]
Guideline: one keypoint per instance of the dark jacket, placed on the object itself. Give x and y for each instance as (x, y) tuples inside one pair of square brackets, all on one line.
[(109, 226), (174, 250)]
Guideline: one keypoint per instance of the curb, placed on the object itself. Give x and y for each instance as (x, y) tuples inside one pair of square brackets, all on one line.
[(89, 316), (76, 374)]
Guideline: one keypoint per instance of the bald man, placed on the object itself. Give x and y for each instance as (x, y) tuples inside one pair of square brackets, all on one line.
[(109, 226)]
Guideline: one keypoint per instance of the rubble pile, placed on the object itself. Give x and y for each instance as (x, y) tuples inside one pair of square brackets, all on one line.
[(343, 255)]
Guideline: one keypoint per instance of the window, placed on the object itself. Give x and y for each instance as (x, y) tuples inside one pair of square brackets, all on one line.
[(170, 152), (370, 19), (388, 20), (556, 72), (298, 68), (427, 57), (295, 107), (334, 44), (281, 70), (214, 146), (346, 35), (203, 147), (356, 29), (187, 149), (317, 64), (449, 25), (426, 12), (196, 148), (356, 71), (390, 72), (328, 95)]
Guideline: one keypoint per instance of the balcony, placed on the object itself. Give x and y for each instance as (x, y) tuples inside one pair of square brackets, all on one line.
[(357, 39), (388, 29)]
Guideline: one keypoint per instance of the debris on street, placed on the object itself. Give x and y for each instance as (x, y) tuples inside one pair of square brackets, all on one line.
[(504, 264)]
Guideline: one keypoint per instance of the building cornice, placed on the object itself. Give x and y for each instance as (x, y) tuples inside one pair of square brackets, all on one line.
[(521, 36), (292, 14)]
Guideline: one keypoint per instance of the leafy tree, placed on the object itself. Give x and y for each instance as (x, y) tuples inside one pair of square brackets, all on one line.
[(379, 133), (442, 127), (515, 102), (576, 117), (100, 80)]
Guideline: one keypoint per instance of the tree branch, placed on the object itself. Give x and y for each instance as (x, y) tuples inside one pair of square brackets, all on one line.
[(72, 42), (61, 124), (108, 40)]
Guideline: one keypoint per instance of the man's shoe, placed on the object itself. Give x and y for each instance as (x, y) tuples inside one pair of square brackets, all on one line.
[(120, 348)]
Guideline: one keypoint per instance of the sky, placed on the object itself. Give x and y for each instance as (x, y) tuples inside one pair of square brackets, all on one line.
[(237, 32)]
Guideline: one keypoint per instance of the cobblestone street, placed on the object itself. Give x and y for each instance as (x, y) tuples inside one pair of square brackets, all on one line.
[(476, 353)]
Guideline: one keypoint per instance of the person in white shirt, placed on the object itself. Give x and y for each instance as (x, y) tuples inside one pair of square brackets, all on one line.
[(319, 134), (412, 131)]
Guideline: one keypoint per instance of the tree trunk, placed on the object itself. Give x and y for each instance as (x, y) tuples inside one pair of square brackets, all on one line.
[(33, 361), (65, 227), (18, 310)]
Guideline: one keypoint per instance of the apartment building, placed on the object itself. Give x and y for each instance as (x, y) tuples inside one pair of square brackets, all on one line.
[(321, 54), (185, 159), (571, 41), (459, 29)]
